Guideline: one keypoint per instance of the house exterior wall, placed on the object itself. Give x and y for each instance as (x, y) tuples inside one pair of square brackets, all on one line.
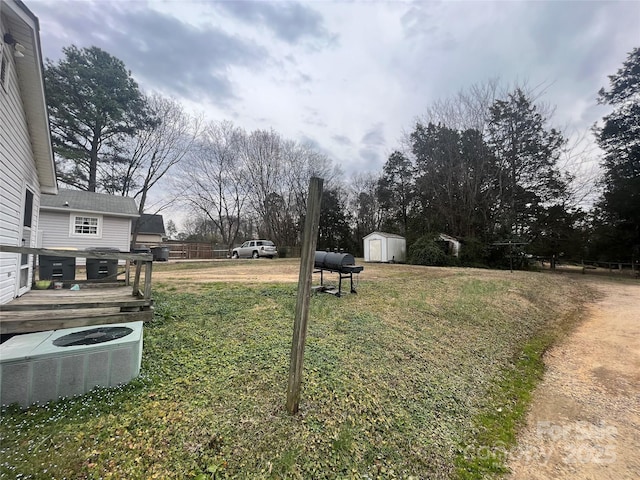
[(18, 167), (55, 228)]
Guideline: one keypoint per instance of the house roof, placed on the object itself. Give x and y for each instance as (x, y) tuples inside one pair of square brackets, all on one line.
[(383, 234), (81, 201), (23, 25), (153, 224)]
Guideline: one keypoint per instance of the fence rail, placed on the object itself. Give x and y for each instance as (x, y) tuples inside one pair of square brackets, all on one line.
[(589, 266), (201, 251), (141, 260), (195, 251)]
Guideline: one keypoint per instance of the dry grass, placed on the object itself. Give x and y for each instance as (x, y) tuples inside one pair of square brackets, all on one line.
[(397, 379)]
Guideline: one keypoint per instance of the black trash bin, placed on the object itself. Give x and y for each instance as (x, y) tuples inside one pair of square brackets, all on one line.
[(100, 268), (160, 254), (140, 249), (56, 268)]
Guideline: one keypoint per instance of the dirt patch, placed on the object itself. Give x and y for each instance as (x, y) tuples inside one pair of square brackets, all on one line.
[(260, 270), (264, 270), (584, 422)]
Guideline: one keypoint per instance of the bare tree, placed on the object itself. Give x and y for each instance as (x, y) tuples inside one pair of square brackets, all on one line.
[(278, 171), (213, 181), (468, 109), (152, 152), (301, 162), (363, 203), (261, 155)]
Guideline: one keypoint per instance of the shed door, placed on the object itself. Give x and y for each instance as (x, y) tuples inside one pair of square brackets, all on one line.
[(375, 250)]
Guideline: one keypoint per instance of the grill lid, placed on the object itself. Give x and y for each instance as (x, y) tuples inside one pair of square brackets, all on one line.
[(333, 261)]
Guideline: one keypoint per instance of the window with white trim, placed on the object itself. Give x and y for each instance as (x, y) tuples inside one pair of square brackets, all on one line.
[(86, 226)]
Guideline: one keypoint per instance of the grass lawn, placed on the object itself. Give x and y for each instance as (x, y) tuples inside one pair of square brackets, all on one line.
[(424, 374)]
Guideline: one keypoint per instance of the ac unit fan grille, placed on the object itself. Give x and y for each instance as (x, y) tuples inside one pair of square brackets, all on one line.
[(92, 337)]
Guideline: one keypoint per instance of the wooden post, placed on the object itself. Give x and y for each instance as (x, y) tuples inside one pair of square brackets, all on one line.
[(147, 279), (127, 272), (309, 242), (136, 279), (510, 257)]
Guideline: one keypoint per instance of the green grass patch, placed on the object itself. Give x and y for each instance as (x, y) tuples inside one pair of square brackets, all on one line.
[(403, 380)]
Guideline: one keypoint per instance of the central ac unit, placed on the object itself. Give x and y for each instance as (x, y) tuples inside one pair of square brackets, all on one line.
[(42, 366)]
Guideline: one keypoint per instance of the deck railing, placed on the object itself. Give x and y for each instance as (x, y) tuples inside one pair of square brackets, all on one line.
[(139, 260)]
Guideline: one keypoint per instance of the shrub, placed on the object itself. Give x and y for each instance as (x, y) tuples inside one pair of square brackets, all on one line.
[(474, 253), (427, 251)]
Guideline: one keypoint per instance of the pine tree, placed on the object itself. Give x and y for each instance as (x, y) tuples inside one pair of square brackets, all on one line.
[(93, 103), (619, 138)]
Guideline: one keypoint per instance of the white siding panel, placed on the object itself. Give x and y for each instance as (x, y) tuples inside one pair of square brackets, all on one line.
[(18, 169), (54, 231), (149, 239), (116, 232), (8, 269)]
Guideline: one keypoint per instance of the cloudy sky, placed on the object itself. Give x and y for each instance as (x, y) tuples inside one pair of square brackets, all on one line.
[(350, 76)]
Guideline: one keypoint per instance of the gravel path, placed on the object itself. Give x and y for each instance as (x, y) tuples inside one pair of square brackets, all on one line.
[(584, 421)]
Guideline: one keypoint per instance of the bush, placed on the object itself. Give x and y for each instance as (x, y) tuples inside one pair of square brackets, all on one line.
[(474, 253), (427, 251)]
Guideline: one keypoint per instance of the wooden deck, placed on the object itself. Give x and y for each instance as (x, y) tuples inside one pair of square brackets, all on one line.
[(40, 310), (95, 303)]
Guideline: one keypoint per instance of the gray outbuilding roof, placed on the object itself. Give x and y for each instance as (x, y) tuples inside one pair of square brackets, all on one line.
[(81, 201), (150, 224), (384, 234)]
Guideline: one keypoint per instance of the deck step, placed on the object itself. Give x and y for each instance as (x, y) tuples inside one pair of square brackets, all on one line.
[(40, 320), (63, 305)]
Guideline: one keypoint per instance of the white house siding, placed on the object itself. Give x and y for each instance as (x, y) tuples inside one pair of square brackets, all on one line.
[(54, 227), (18, 168)]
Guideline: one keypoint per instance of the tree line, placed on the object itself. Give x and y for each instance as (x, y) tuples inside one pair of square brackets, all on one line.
[(484, 166)]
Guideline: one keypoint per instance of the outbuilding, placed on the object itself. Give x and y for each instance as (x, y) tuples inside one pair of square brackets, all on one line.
[(385, 247), (149, 230), (81, 220)]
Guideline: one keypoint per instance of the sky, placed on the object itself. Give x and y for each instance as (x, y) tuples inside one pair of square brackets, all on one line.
[(350, 77)]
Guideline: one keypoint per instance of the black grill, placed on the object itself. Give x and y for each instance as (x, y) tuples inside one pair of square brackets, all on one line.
[(341, 263)]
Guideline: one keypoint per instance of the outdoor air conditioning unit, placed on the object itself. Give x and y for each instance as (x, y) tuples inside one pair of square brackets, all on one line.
[(43, 366)]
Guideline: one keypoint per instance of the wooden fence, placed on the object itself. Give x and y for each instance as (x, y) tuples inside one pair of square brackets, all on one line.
[(593, 266), (206, 251), (195, 251)]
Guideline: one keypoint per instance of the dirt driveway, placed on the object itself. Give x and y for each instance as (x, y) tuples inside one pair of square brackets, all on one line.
[(584, 422)]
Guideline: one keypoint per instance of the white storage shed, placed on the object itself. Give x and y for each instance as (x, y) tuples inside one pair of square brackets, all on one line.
[(385, 247)]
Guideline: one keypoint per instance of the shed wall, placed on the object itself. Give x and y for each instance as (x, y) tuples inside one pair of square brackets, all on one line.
[(393, 248), (149, 239), (383, 247), (396, 249)]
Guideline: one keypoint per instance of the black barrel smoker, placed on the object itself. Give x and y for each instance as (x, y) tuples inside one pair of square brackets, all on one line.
[(341, 263)]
